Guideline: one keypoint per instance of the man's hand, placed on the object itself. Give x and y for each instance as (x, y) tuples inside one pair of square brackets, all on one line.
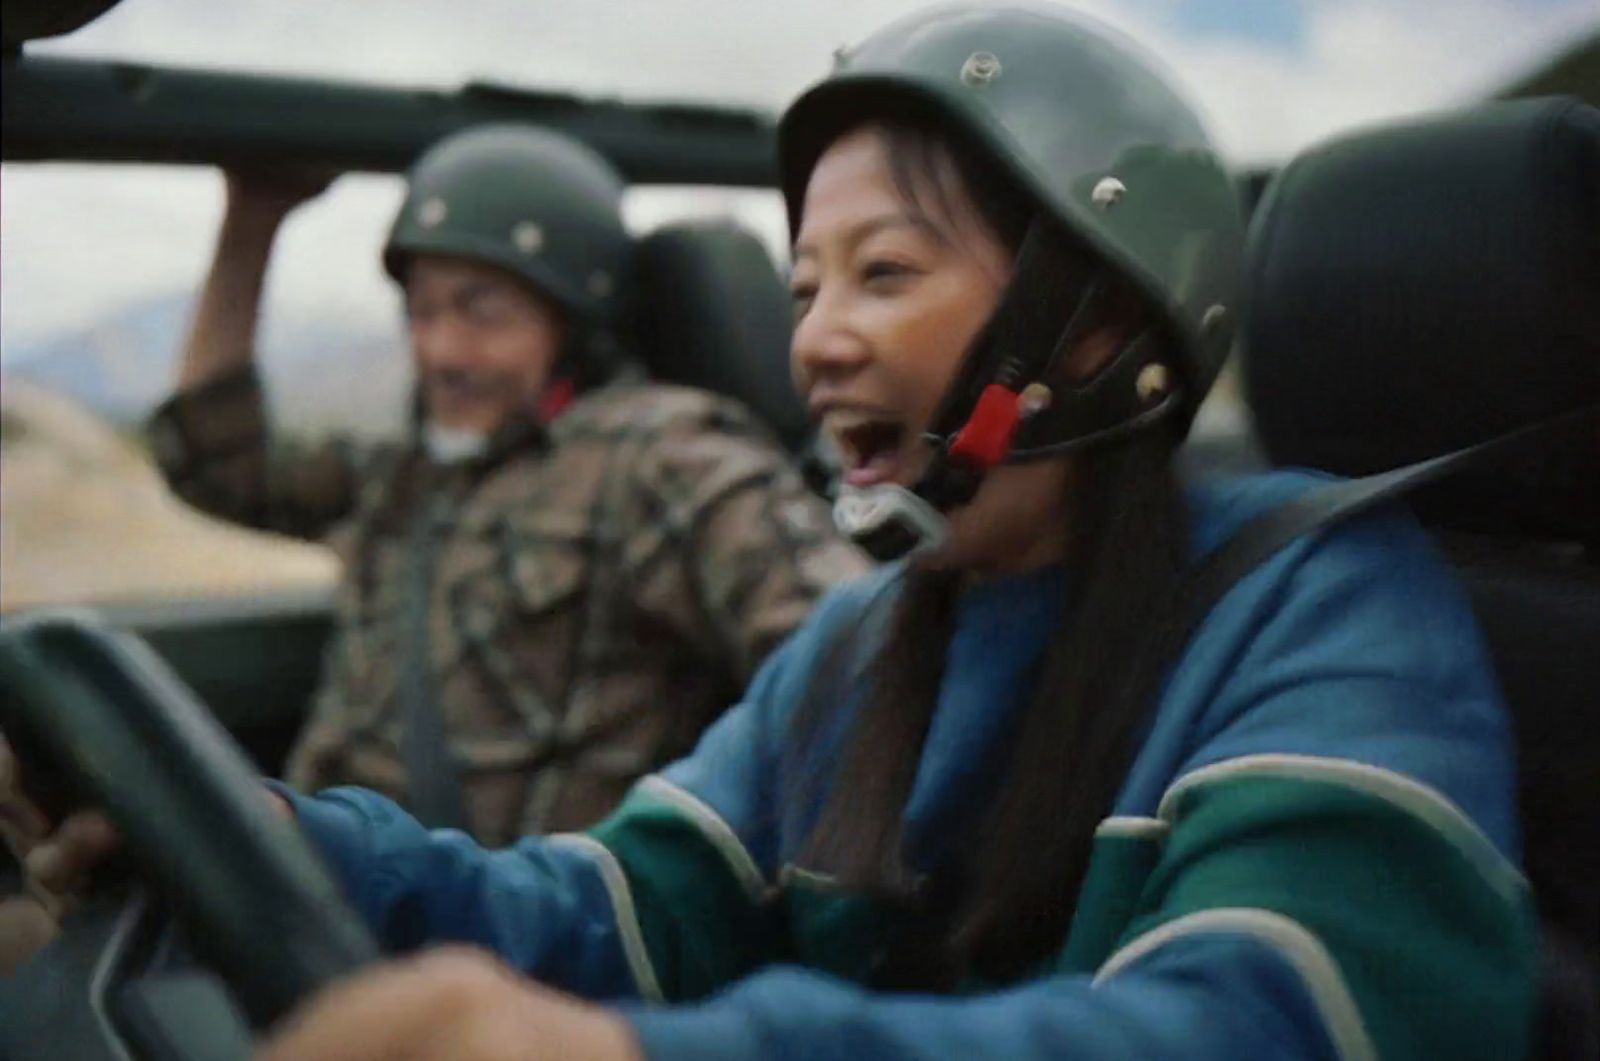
[(274, 193), (452, 1002)]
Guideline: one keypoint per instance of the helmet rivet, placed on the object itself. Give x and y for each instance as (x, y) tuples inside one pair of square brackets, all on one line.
[(432, 212), (1214, 319), (1155, 380), (600, 283), (981, 68), (528, 237), (1108, 192), (841, 56), (1035, 398)]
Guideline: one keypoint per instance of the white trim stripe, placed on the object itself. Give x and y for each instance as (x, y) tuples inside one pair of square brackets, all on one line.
[(792, 874), (711, 825), (1134, 828), (627, 917), (1298, 946), (1422, 802)]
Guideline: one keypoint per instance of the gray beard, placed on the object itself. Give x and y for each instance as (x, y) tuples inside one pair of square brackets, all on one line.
[(453, 445)]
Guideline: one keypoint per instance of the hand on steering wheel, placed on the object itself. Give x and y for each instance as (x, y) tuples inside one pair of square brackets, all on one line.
[(60, 859), (107, 724)]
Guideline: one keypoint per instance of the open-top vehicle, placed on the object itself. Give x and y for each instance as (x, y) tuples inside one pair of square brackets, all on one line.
[(250, 902)]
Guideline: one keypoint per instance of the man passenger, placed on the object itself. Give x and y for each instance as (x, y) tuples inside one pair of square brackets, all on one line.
[(566, 572)]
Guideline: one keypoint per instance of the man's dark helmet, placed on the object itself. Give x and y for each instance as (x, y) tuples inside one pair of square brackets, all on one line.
[(533, 202)]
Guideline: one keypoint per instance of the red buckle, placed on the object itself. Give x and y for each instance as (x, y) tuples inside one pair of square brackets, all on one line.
[(985, 439)]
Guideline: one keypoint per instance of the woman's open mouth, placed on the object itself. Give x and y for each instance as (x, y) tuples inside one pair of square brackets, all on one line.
[(871, 444)]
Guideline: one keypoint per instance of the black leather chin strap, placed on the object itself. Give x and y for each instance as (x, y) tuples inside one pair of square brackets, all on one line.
[(1058, 417), (1106, 407), (1008, 350)]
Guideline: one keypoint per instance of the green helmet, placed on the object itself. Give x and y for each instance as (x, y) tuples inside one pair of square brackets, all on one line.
[(533, 202), (1085, 121)]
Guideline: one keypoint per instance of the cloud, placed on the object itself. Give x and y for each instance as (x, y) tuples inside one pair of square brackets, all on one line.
[(1366, 60), (82, 241), (79, 241)]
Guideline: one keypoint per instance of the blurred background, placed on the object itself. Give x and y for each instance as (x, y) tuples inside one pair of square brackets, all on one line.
[(98, 263)]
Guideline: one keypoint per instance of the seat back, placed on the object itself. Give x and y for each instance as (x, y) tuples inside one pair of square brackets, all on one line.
[(1421, 288), (712, 312)]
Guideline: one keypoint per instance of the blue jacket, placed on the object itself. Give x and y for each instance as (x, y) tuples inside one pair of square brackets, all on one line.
[(1313, 855)]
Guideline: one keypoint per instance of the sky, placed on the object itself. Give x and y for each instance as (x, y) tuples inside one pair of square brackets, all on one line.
[(1272, 76)]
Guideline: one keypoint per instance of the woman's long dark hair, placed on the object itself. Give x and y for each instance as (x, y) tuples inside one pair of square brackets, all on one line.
[(1007, 902)]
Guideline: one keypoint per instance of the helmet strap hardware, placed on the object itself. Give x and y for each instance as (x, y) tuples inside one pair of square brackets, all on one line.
[(1034, 399), (986, 437), (1154, 380), (889, 521)]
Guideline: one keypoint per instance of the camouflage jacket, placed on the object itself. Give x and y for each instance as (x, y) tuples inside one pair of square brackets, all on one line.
[(599, 591)]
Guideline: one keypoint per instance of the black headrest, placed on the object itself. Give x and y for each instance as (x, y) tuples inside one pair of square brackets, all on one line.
[(1426, 286), (712, 312)]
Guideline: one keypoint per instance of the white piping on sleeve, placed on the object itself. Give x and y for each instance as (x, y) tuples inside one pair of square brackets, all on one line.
[(627, 916), (1426, 804), (1297, 945), (1127, 826), (711, 825)]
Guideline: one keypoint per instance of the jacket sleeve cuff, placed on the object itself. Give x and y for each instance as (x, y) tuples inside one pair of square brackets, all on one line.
[(216, 419), (335, 830)]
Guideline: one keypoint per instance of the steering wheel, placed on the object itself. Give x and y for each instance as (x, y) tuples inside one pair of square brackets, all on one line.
[(102, 721)]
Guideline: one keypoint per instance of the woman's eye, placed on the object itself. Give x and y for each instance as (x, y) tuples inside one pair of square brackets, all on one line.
[(884, 273), (802, 295)]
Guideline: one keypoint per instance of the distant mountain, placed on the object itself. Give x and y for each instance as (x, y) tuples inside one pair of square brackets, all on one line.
[(86, 518), (322, 373)]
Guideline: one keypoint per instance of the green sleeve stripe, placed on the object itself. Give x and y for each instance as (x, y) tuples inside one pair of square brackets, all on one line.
[(704, 915), (1298, 946), (1132, 828), (710, 823), (1109, 898), (1424, 927), (1407, 794), (626, 914)]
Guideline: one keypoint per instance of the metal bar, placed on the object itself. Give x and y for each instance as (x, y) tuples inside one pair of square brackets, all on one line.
[(96, 111)]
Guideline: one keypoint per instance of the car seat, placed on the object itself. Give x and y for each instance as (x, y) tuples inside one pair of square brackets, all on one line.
[(711, 311), (1421, 288)]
